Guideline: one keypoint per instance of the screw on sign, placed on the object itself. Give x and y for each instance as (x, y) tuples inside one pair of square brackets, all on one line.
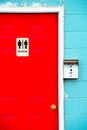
[(19, 44), (25, 43)]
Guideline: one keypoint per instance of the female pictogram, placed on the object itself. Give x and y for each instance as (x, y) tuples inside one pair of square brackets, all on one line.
[(19, 44)]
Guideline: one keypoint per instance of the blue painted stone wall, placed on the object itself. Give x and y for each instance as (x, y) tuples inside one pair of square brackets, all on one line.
[(75, 47)]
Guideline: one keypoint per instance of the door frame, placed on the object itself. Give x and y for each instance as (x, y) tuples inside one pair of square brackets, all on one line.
[(60, 11)]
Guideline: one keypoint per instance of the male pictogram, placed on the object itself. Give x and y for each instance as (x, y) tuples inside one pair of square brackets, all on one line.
[(25, 43), (19, 44)]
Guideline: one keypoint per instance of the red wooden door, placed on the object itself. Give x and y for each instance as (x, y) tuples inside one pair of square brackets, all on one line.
[(29, 85)]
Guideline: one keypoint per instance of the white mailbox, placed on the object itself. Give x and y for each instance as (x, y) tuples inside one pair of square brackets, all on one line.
[(70, 69)]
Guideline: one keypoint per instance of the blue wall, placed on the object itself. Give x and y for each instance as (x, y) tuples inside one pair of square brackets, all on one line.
[(75, 47)]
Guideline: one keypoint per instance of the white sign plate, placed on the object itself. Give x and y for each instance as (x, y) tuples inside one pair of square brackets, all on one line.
[(22, 47)]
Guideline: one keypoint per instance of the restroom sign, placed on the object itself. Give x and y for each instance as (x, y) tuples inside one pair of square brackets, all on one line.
[(22, 46)]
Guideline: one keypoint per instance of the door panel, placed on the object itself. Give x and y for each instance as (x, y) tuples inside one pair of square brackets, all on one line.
[(29, 85)]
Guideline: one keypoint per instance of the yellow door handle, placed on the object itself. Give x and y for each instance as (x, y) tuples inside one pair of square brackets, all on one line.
[(53, 107)]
